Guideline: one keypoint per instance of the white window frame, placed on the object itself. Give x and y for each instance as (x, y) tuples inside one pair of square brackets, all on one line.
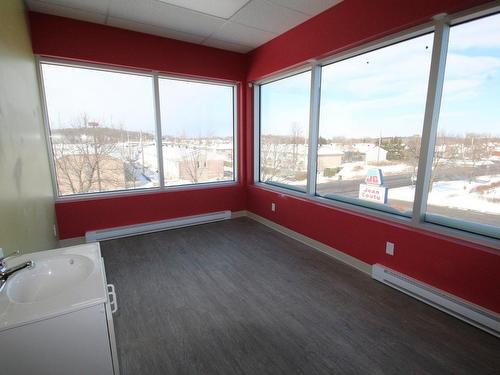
[(440, 26), (257, 120), (155, 76)]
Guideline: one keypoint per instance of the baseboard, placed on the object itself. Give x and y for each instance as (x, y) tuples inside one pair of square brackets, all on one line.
[(155, 226), (469, 312), (325, 249), (237, 214), (81, 240)]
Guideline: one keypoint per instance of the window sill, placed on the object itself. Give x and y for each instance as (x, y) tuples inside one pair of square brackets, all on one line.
[(147, 191)]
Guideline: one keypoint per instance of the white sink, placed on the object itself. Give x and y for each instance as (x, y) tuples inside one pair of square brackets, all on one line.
[(48, 278)]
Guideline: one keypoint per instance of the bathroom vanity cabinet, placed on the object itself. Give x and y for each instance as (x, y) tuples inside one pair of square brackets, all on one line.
[(69, 333)]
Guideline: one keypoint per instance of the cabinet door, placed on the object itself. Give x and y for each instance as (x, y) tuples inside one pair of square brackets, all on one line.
[(74, 343)]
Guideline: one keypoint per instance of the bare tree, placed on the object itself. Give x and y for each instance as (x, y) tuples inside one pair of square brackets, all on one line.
[(412, 155), (194, 159), (476, 146), (296, 139), (194, 164), (272, 159), (81, 152)]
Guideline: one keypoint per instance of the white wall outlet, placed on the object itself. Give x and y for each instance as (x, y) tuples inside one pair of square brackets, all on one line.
[(389, 248), (273, 207)]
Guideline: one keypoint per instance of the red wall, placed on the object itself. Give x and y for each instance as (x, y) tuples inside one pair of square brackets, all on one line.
[(71, 39), (469, 271), (76, 217)]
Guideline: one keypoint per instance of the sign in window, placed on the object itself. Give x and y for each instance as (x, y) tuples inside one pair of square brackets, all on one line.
[(371, 119)]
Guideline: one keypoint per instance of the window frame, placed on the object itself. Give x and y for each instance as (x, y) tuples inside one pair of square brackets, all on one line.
[(257, 125), (155, 76), (234, 87), (440, 26)]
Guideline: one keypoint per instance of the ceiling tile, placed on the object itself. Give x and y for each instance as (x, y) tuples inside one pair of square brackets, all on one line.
[(95, 6), (211, 42), (240, 34), (62, 11), (310, 7), (267, 16), (219, 8), (155, 30), (163, 15)]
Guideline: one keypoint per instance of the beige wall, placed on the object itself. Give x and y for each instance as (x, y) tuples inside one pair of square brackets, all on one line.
[(26, 200)]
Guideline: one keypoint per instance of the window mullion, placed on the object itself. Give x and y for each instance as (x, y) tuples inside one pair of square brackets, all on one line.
[(431, 117), (48, 140), (159, 143), (256, 133), (313, 129)]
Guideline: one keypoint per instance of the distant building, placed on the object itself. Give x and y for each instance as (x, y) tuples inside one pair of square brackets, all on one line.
[(329, 157), (193, 164), (372, 152)]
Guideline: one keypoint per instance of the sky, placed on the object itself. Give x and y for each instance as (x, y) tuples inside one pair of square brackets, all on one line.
[(471, 92), (379, 93), (284, 104), (126, 100), (383, 92), (183, 113)]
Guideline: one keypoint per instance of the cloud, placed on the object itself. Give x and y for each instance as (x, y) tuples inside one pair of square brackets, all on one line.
[(483, 33)]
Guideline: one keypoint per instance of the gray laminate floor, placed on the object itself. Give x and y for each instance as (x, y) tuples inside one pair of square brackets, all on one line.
[(235, 297)]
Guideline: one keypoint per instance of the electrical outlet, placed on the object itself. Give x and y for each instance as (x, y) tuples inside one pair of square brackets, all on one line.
[(389, 248), (273, 207)]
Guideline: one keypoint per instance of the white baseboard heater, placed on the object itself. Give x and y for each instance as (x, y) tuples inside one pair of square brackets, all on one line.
[(155, 226), (486, 320)]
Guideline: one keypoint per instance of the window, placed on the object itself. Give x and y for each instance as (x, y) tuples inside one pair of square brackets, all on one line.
[(411, 127), (102, 129), (284, 126), (105, 133), (465, 178), (197, 132), (371, 117)]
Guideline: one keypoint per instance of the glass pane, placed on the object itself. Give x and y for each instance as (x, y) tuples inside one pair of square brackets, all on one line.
[(371, 117), (284, 131), (102, 129), (465, 180), (197, 131)]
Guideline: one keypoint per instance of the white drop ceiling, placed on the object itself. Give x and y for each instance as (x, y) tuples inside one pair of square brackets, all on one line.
[(235, 25)]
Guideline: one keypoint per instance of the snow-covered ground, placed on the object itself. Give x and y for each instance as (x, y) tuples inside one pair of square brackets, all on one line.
[(460, 194)]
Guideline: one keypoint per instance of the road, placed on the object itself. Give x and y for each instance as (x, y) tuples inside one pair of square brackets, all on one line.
[(450, 173), (350, 188)]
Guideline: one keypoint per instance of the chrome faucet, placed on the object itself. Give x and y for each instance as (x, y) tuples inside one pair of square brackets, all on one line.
[(5, 272)]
